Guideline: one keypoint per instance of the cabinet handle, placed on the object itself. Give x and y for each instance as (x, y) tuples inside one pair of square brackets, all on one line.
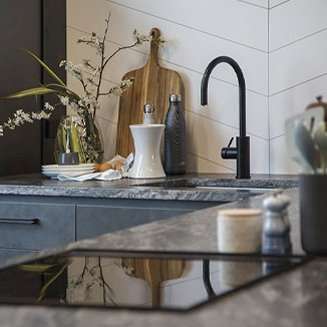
[(34, 221)]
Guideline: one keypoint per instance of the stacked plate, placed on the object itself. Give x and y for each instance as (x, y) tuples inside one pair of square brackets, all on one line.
[(53, 171)]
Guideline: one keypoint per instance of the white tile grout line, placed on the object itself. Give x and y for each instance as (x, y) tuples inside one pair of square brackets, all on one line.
[(226, 125), (299, 39), (253, 4), (172, 63), (280, 4), (187, 26), (298, 84), (211, 161), (278, 136)]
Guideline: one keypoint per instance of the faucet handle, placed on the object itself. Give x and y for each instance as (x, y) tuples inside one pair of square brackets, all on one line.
[(229, 152), (230, 142)]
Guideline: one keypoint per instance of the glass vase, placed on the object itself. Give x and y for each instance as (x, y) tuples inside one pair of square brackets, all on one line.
[(79, 134)]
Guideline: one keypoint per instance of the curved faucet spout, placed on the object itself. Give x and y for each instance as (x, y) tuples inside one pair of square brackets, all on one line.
[(241, 82), (242, 150)]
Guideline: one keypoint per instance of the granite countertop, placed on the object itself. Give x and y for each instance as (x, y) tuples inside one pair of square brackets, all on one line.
[(295, 298), (36, 185)]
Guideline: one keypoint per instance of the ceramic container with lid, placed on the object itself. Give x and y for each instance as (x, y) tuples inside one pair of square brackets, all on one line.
[(239, 230)]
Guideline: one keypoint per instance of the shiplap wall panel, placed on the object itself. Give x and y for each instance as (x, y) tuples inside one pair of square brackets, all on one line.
[(298, 69), (295, 20), (185, 47), (292, 102), (275, 3), (223, 104), (298, 62), (280, 159), (260, 3), (188, 50), (216, 17)]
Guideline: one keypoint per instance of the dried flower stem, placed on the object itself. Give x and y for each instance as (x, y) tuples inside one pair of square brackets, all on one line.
[(102, 61)]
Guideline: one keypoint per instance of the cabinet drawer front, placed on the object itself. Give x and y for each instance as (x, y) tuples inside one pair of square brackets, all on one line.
[(36, 226), (93, 221)]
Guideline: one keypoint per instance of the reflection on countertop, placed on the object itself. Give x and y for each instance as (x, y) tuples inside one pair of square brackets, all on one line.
[(151, 282)]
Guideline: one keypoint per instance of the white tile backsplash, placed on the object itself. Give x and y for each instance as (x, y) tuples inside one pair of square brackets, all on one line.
[(298, 69), (216, 17), (280, 161), (274, 3), (298, 62), (281, 79), (295, 20)]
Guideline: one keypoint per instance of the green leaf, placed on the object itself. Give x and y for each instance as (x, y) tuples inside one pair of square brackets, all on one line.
[(44, 289), (40, 268), (30, 92), (63, 89), (46, 67)]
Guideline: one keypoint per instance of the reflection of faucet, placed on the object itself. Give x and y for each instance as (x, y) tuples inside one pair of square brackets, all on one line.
[(242, 150), (206, 278)]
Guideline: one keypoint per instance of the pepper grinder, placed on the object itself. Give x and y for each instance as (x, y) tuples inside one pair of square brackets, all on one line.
[(276, 228), (149, 116)]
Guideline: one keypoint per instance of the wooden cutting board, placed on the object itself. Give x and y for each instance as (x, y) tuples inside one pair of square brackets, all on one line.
[(152, 85)]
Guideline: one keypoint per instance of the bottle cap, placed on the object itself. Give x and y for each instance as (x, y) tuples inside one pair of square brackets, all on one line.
[(148, 109), (175, 98)]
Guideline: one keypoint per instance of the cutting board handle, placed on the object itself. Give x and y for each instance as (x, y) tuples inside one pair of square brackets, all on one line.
[(154, 53)]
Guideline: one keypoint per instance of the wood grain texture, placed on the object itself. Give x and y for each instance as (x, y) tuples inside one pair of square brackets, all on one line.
[(154, 272), (152, 84)]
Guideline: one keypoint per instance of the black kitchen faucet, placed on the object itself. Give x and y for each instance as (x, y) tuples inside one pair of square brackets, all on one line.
[(242, 150)]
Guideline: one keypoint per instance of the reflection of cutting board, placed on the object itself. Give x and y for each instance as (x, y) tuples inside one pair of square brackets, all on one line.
[(152, 84), (154, 272)]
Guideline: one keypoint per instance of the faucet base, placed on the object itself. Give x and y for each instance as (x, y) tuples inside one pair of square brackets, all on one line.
[(243, 157)]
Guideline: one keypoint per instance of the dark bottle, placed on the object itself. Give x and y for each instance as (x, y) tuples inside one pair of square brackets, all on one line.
[(175, 137)]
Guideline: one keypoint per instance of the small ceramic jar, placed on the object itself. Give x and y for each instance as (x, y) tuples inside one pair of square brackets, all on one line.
[(239, 230)]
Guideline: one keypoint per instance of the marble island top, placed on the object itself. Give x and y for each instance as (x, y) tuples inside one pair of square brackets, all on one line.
[(295, 298), (36, 185)]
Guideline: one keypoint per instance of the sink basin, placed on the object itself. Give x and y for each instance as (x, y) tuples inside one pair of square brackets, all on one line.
[(226, 188), (225, 185)]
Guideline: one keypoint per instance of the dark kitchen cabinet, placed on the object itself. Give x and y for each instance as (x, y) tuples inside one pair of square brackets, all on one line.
[(35, 225), (38, 25)]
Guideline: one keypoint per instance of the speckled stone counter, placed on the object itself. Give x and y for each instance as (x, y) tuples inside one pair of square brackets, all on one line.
[(188, 233), (36, 185), (295, 298)]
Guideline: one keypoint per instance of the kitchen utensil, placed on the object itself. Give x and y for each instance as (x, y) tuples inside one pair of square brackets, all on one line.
[(276, 229), (320, 138), (304, 142), (152, 84), (147, 161)]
